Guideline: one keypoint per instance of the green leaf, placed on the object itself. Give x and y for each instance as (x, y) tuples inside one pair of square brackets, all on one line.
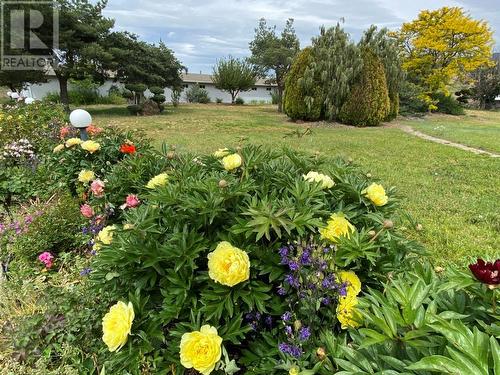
[(442, 364), (495, 353), (373, 337)]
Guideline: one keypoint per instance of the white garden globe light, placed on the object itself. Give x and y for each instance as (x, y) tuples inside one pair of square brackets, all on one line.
[(80, 118), (29, 100)]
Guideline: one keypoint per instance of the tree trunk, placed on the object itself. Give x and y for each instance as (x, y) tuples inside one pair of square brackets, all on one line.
[(280, 98), (233, 96), (63, 89)]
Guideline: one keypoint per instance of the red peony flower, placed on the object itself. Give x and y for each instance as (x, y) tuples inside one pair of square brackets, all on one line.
[(127, 148), (486, 272)]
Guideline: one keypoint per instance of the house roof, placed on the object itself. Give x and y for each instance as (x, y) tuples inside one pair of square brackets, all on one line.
[(207, 78)]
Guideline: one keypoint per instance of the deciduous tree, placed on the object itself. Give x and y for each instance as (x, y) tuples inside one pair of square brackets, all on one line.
[(444, 44), (486, 85), (273, 52), (233, 75)]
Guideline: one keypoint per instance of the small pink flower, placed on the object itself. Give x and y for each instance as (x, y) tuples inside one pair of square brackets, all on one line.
[(64, 132), (87, 210), (97, 187), (46, 259), (131, 201)]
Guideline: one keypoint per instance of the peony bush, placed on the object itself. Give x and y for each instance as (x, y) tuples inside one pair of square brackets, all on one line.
[(251, 253)]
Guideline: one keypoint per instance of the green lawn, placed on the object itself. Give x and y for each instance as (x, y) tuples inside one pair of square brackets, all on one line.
[(453, 193), (479, 129)]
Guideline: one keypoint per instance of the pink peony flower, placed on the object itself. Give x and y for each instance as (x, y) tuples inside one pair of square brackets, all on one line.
[(97, 187), (131, 201), (46, 259), (64, 132), (87, 210)]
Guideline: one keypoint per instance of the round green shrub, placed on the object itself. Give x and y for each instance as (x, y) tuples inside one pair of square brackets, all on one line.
[(239, 101), (447, 104), (159, 98), (136, 87), (156, 90), (158, 258), (127, 94), (300, 100), (368, 102)]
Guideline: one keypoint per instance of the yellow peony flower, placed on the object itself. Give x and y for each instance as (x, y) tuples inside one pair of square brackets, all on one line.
[(117, 324), (347, 313), (294, 371), (326, 181), (336, 226), (352, 281), (105, 236), (58, 148), (376, 194), (73, 142), (228, 265), (90, 146), (157, 181), (201, 349), (231, 162), (221, 152), (85, 176)]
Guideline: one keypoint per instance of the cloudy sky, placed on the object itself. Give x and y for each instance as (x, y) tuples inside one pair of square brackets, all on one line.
[(200, 31)]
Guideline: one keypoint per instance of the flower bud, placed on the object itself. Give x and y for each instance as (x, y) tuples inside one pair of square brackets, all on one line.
[(170, 155), (223, 184), (321, 353), (350, 160), (438, 269), (369, 175), (297, 325), (388, 224), (238, 149), (419, 227), (492, 286), (372, 233), (172, 147)]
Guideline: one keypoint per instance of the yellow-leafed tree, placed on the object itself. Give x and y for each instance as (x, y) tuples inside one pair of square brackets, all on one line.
[(443, 45)]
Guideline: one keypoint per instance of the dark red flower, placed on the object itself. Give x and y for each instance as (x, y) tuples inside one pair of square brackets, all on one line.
[(127, 148), (486, 272)]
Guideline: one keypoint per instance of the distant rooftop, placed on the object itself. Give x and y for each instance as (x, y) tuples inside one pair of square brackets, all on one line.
[(207, 78)]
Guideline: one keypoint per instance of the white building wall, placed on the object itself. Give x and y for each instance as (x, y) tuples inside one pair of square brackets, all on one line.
[(259, 94), (40, 90)]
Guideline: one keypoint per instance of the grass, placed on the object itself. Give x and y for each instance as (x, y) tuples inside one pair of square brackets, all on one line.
[(454, 194), (479, 129)]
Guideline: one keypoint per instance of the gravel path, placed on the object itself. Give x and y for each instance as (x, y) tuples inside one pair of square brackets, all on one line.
[(410, 130)]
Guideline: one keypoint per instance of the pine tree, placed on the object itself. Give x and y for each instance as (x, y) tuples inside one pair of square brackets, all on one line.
[(336, 64)]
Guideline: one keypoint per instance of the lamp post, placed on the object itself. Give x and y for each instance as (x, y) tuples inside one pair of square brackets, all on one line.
[(81, 119)]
